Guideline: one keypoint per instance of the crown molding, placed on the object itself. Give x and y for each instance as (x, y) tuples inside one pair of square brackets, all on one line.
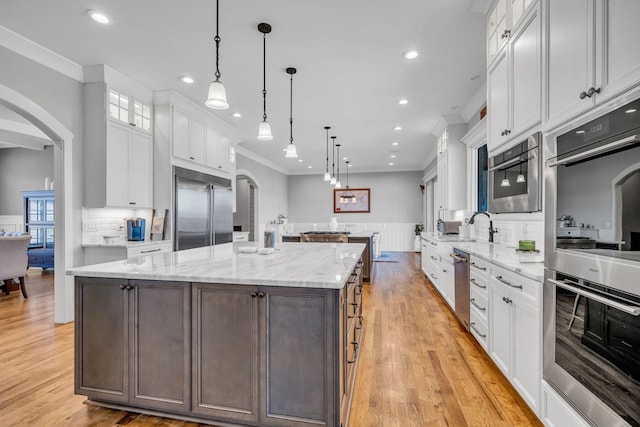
[(257, 158), (29, 49)]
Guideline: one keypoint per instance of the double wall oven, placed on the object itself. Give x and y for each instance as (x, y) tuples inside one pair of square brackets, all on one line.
[(592, 292)]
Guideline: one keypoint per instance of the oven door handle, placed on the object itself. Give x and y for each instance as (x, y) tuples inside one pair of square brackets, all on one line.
[(630, 309), (509, 163), (633, 139)]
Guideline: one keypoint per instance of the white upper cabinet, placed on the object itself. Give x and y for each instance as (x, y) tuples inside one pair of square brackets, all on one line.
[(503, 20), (514, 82), (118, 148), (592, 54), (218, 150), (452, 169)]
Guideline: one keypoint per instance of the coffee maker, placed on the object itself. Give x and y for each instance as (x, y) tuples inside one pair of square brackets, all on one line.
[(135, 229)]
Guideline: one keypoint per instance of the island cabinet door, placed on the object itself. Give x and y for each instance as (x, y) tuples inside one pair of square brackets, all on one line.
[(225, 351), (160, 344), (298, 357), (101, 339)]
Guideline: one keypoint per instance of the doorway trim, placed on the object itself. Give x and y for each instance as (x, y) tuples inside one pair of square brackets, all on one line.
[(256, 225), (616, 184), (63, 168)]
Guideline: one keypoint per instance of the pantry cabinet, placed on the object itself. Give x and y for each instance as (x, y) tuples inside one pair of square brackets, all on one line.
[(514, 83), (592, 54), (118, 149), (451, 166), (503, 20)]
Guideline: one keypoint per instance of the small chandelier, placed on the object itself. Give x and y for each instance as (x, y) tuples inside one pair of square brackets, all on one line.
[(333, 161), (327, 175), (291, 152), (338, 177), (217, 98), (264, 129)]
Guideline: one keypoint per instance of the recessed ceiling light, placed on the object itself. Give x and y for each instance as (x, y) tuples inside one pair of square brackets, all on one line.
[(350, 165), (393, 156), (309, 167), (631, 110), (300, 160), (99, 17), (403, 101), (390, 163), (411, 54), (395, 143), (237, 115), (397, 128), (186, 79), (345, 158)]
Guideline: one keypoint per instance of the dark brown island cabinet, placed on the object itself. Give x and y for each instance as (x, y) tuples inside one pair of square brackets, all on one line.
[(240, 355)]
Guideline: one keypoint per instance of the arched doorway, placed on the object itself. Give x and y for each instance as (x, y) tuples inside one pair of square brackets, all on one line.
[(248, 203), (626, 212), (63, 175)]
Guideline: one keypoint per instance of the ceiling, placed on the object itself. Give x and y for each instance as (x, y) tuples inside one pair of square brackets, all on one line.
[(351, 71)]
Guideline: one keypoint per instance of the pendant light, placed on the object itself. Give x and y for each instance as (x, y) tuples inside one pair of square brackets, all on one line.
[(338, 176), (291, 148), (505, 182), (217, 98), (333, 161), (264, 129), (327, 175), (521, 177)]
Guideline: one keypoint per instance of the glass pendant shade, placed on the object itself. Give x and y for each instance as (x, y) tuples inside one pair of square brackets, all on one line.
[(521, 178), (338, 184), (327, 176), (264, 131), (333, 180), (291, 151), (353, 199), (217, 98)]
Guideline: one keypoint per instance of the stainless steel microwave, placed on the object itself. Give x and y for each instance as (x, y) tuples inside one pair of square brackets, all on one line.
[(515, 183)]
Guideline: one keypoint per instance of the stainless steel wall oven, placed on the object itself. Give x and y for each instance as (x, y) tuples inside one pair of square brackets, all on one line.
[(592, 292), (515, 178)]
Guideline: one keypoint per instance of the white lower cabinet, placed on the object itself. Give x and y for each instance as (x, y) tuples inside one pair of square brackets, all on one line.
[(556, 412), (515, 331)]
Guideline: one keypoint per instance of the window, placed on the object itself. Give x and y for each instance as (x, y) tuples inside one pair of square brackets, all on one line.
[(483, 179), (118, 106)]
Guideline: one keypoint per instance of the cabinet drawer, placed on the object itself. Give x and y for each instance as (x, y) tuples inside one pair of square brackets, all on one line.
[(478, 327), (479, 266), (478, 282), (527, 288), (479, 300), (152, 249), (36, 259)]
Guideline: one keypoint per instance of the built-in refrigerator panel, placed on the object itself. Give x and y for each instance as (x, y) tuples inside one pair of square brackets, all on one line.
[(222, 215), (203, 209)]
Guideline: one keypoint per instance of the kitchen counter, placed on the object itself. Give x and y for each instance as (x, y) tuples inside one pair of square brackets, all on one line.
[(292, 265), (494, 253), (122, 243), (350, 233)]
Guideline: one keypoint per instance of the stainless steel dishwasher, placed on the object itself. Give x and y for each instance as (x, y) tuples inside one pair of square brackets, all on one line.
[(461, 268)]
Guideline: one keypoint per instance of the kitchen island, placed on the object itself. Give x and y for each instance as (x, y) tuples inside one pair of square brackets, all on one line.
[(216, 335)]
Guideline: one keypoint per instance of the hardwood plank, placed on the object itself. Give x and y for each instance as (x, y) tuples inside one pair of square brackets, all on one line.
[(417, 367)]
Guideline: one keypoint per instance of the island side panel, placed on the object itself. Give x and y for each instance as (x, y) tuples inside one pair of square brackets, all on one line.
[(367, 255), (298, 356)]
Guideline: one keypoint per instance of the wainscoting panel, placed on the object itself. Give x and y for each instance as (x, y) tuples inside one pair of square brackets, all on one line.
[(11, 223)]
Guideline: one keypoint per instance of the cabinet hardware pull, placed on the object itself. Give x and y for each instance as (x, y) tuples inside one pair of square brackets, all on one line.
[(433, 244), (132, 203), (473, 264), (435, 258), (507, 300), (476, 283), (633, 139), (254, 294), (476, 305), (150, 250), (261, 294), (624, 343), (500, 279), (473, 326), (457, 258), (444, 271), (123, 287), (192, 158), (592, 91), (505, 34), (132, 124), (129, 287)]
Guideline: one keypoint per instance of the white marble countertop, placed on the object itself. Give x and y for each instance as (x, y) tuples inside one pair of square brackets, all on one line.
[(321, 265), (350, 233), (121, 242), (500, 255)]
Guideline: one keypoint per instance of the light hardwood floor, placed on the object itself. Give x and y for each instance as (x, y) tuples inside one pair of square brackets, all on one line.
[(417, 366)]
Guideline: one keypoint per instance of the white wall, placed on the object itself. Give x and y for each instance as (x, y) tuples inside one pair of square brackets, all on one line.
[(241, 215), (395, 198), (21, 170)]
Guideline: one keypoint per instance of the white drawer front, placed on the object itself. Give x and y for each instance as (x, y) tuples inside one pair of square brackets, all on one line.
[(526, 287), (479, 301), (478, 327), (152, 249), (478, 282), (480, 266)]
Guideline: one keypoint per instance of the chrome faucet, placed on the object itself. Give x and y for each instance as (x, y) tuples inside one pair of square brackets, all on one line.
[(491, 229)]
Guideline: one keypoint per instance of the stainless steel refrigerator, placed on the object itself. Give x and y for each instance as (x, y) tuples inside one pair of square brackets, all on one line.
[(203, 210)]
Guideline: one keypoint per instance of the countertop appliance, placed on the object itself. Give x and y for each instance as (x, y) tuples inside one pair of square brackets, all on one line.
[(448, 227), (515, 178), (135, 229), (591, 296), (461, 274), (203, 209)]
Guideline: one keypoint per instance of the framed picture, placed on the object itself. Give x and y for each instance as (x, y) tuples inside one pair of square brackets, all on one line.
[(362, 199)]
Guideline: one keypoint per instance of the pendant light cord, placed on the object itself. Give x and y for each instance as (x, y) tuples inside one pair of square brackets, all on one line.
[(264, 77), (291, 111), (217, 40), (333, 157), (338, 177), (327, 167)]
